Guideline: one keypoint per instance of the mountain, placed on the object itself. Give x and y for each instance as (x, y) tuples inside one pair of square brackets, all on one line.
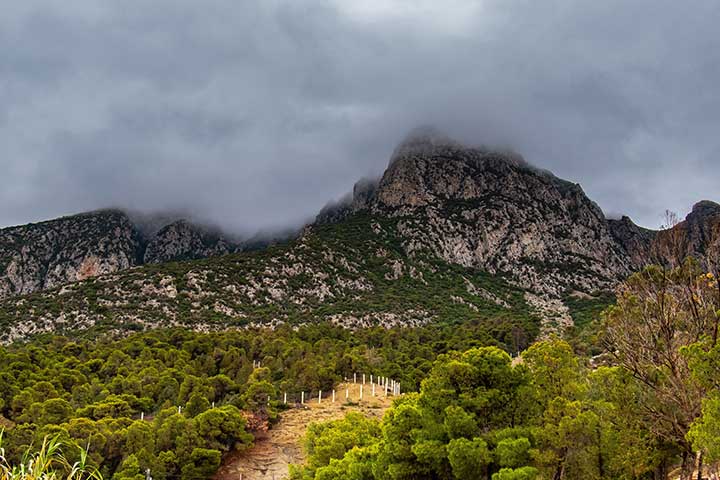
[(448, 234), (697, 236), (53, 253), (492, 211)]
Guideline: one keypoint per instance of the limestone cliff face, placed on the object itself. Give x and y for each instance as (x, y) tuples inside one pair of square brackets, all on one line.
[(49, 254), (473, 207), (637, 242), (183, 241), (697, 236), (701, 230), (412, 247), (492, 211)]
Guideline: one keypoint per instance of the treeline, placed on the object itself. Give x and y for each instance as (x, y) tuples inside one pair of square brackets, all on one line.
[(199, 394), (173, 402), (650, 409)]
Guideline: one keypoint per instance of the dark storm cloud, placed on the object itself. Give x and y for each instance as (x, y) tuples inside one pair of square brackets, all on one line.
[(255, 114)]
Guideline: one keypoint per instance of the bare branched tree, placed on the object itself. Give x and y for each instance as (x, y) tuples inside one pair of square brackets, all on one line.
[(660, 311), (670, 246)]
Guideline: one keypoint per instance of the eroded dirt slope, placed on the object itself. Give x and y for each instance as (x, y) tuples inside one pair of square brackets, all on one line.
[(275, 450)]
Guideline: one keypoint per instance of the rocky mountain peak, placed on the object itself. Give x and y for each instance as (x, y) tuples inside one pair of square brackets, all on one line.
[(705, 208), (182, 240), (700, 231), (491, 210), (634, 240), (421, 141), (447, 228), (48, 254)]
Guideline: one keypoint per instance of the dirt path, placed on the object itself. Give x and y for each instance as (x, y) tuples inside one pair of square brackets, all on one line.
[(274, 451)]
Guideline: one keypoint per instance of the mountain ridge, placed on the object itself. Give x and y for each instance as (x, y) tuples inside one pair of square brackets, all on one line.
[(51, 253), (448, 233)]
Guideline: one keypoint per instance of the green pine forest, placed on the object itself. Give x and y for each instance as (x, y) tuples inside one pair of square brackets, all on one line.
[(632, 393)]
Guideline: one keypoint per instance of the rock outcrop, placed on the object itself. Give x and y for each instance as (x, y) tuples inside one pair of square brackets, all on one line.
[(697, 236), (492, 210), (49, 254), (182, 240), (699, 233), (44, 255), (635, 241)]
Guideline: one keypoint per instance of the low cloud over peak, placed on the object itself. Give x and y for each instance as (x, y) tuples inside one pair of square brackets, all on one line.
[(253, 115)]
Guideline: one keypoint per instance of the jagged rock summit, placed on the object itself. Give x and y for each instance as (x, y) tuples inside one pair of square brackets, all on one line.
[(56, 252), (182, 240), (493, 211)]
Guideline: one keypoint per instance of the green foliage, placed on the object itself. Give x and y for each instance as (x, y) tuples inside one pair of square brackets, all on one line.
[(203, 463), (328, 443), (468, 457), (663, 332), (586, 310), (94, 392), (513, 452), (522, 473), (478, 415), (705, 432), (555, 370)]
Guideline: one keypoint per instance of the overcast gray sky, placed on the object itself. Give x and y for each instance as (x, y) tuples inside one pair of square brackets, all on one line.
[(254, 114)]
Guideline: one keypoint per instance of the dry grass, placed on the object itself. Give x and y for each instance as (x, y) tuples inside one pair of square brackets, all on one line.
[(47, 463)]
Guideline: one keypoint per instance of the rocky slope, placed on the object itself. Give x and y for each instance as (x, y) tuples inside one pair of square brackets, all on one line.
[(182, 240), (448, 234), (492, 211), (352, 273), (49, 254), (697, 236)]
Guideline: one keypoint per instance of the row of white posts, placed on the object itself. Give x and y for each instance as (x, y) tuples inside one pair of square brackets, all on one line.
[(387, 384), (378, 385)]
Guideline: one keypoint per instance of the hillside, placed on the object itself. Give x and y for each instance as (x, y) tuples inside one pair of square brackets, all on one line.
[(354, 273), (45, 255), (448, 234)]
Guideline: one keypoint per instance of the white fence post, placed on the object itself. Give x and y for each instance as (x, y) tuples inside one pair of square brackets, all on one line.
[(319, 396)]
